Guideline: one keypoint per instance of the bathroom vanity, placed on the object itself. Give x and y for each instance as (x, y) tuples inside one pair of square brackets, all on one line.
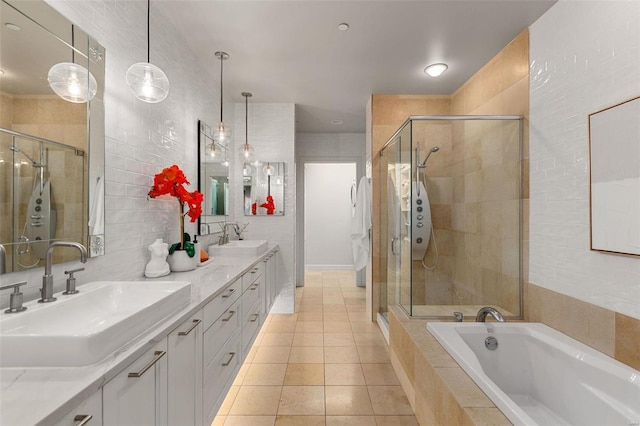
[(177, 371)]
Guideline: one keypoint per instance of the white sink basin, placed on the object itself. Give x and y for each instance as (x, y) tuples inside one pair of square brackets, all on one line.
[(85, 328), (239, 247)]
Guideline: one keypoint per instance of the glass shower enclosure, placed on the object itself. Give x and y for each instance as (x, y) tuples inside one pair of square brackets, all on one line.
[(451, 216)]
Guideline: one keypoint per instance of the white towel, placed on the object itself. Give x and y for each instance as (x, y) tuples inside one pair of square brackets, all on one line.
[(360, 225), (96, 214)]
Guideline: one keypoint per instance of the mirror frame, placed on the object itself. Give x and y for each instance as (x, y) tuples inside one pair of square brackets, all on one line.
[(256, 175)]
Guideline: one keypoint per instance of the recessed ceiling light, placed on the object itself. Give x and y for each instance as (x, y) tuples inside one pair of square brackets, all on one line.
[(435, 70), (343, 26), (337, 121), (13, 27)]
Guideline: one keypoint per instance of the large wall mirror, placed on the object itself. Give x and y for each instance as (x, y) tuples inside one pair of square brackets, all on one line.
[(51, 147), (263, 185), (213, 180)]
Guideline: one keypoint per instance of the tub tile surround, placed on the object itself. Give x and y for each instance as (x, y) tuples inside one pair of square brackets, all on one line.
[(44, 395)]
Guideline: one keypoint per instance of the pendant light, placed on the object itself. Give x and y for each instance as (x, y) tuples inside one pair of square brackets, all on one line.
[(146, 81), (222, 133), (247, 150), (70, 81)]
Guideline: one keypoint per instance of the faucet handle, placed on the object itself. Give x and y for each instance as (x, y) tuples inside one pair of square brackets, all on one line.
[(458, 316), (71, 281), (15, 299)]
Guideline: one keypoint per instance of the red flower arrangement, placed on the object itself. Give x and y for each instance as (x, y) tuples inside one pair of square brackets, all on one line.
[(171, 181)]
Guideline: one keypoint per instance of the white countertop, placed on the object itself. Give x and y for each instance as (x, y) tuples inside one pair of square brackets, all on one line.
[(30, 396)]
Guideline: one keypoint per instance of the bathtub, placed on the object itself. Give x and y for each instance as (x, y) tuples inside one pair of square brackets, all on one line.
[(539, 376)]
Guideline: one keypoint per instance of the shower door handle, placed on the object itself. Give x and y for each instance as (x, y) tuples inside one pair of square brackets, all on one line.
[(394, 241)]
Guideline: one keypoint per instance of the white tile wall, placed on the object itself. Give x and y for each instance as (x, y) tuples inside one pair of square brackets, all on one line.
[(584, 56), (272, 135), (141, 138)]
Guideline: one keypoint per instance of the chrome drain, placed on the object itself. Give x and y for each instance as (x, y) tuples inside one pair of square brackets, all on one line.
[(491, 343)]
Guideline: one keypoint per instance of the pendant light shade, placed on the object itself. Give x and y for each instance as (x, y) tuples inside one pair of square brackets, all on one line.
[(146, 81), (246, 149), (72, 82), (222, 132)]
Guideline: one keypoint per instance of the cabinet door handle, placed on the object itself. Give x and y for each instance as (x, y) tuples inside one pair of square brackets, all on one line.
[(194, 325), (231, 290), (253, 287), (82, 419), (256, 317), (226, 364), (156, 358), (254, 270), (231, 314)]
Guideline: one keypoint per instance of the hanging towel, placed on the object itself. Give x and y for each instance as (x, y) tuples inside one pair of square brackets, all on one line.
[(361, 224), (96, 215)]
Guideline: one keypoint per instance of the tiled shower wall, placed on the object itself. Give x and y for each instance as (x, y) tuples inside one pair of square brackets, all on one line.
[(585, 56), (141, 138)]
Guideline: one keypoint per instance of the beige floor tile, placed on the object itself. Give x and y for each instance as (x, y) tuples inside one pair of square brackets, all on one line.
[(369, 339), (397, 421), (228, 401), (277, 339), (343, 374), (300, 421), (380, 374), (306, 355), (250, 421), (265, 374), (359, 307), (272, 355), (302, 400), (389, 400), (219, 421), (357, 316), (241, 373), (310, 316), (348, 401), (364, 327), (332, 300), (309, 327), (308, 339), (280, 327), (283, 317), (310, 306), (256, 401), (373, 354), (341, 355), (352, 421), (338, 339), (337, 327), (251, 354), (340, 308), (304, 375)]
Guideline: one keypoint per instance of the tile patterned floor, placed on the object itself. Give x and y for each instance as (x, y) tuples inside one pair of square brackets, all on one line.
[(325, 365)]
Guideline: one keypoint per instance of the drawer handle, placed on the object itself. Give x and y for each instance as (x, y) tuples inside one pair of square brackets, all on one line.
[(226, 364), (194, 325), (253, 287), (231, 314), (253, 271), (264, 261), (158, 355), (256, 317), (231, 290), (82, 419)]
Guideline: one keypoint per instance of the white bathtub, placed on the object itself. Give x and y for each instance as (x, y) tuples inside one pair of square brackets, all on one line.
[(539, 376)]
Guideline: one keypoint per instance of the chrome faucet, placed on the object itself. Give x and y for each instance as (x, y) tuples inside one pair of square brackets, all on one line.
[(487, 310), (3, 260), (46, 292), (224, 238)]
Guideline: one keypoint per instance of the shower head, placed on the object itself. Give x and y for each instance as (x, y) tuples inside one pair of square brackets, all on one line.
[(33, 162), (431, 151)]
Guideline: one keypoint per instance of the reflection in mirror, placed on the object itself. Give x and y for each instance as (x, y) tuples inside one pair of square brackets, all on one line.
[(51, 165), (263, 189), (213, 180)]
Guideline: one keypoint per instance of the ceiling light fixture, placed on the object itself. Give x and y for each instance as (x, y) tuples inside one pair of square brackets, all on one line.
[(146, 81), (436, 70), (247, 150), (222, 132), (343, 26), (72, 82)]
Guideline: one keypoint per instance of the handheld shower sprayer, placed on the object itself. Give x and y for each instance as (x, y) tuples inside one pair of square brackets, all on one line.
[(422, 165), (431, 151)]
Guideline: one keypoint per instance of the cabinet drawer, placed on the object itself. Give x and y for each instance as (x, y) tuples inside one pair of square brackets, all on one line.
[(218, 373), (251, 325), (250, 296), (216, 336), (251, 276), (215, 308)]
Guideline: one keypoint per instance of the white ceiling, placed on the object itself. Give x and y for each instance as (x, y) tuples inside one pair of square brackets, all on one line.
[(292, 51)]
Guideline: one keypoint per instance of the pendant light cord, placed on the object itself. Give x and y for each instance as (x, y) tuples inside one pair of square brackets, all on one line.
[(246, 122), (221, 93), (73, 45), (148, 29)]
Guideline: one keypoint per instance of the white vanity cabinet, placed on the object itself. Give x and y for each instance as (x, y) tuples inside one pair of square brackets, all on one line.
[(138, 395), (185, 373), (252, 305), (88, 413)]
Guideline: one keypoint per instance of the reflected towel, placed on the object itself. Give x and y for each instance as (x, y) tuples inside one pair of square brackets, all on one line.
[(96, 214), (361, 224)]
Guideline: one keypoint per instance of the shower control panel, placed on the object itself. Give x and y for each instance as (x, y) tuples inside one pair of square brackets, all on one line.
[(420, 221)]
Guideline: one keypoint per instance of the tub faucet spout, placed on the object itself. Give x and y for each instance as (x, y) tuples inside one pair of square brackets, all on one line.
[(487, 310)]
